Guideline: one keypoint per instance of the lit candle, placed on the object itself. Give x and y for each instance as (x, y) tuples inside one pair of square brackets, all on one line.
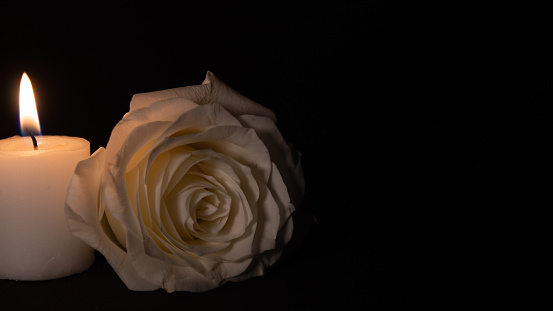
[(35, 243)]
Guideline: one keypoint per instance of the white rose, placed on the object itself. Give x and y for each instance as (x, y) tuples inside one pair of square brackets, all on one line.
[(195, 187)]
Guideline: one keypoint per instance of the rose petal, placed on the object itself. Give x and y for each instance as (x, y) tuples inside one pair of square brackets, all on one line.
[(81, 210), (81, 201), (286, 159), (212, 91), (239, 143), (273, 209), (145, 258), (167, 110), (259, 264)]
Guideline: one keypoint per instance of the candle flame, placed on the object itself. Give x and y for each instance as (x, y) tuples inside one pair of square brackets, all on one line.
[(28, 115)]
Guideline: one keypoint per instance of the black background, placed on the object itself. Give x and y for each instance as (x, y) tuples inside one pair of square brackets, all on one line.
[(425, 134)]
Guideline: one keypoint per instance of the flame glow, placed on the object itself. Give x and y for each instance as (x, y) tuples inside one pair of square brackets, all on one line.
[(28, 115)]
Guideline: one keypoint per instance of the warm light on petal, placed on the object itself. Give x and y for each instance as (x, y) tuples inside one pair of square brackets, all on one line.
[(28, 115)]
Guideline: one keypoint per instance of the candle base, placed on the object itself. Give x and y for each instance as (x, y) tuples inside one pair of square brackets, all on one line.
[(54, 268)]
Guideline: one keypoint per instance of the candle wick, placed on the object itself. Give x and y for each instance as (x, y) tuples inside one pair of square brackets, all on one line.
[(35, 144)]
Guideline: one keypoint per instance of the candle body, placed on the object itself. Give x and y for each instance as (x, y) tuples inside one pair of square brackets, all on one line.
[(35, 243)]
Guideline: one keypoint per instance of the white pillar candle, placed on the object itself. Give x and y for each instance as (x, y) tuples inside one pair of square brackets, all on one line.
[(35, 242)]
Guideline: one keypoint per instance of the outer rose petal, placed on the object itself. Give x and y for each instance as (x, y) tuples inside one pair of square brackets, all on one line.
[(212, 91), (286, 227), (286, 159), (166, 110), (81, 209)]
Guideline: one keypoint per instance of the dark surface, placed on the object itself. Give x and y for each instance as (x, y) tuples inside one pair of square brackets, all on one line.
[(426, 140)]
